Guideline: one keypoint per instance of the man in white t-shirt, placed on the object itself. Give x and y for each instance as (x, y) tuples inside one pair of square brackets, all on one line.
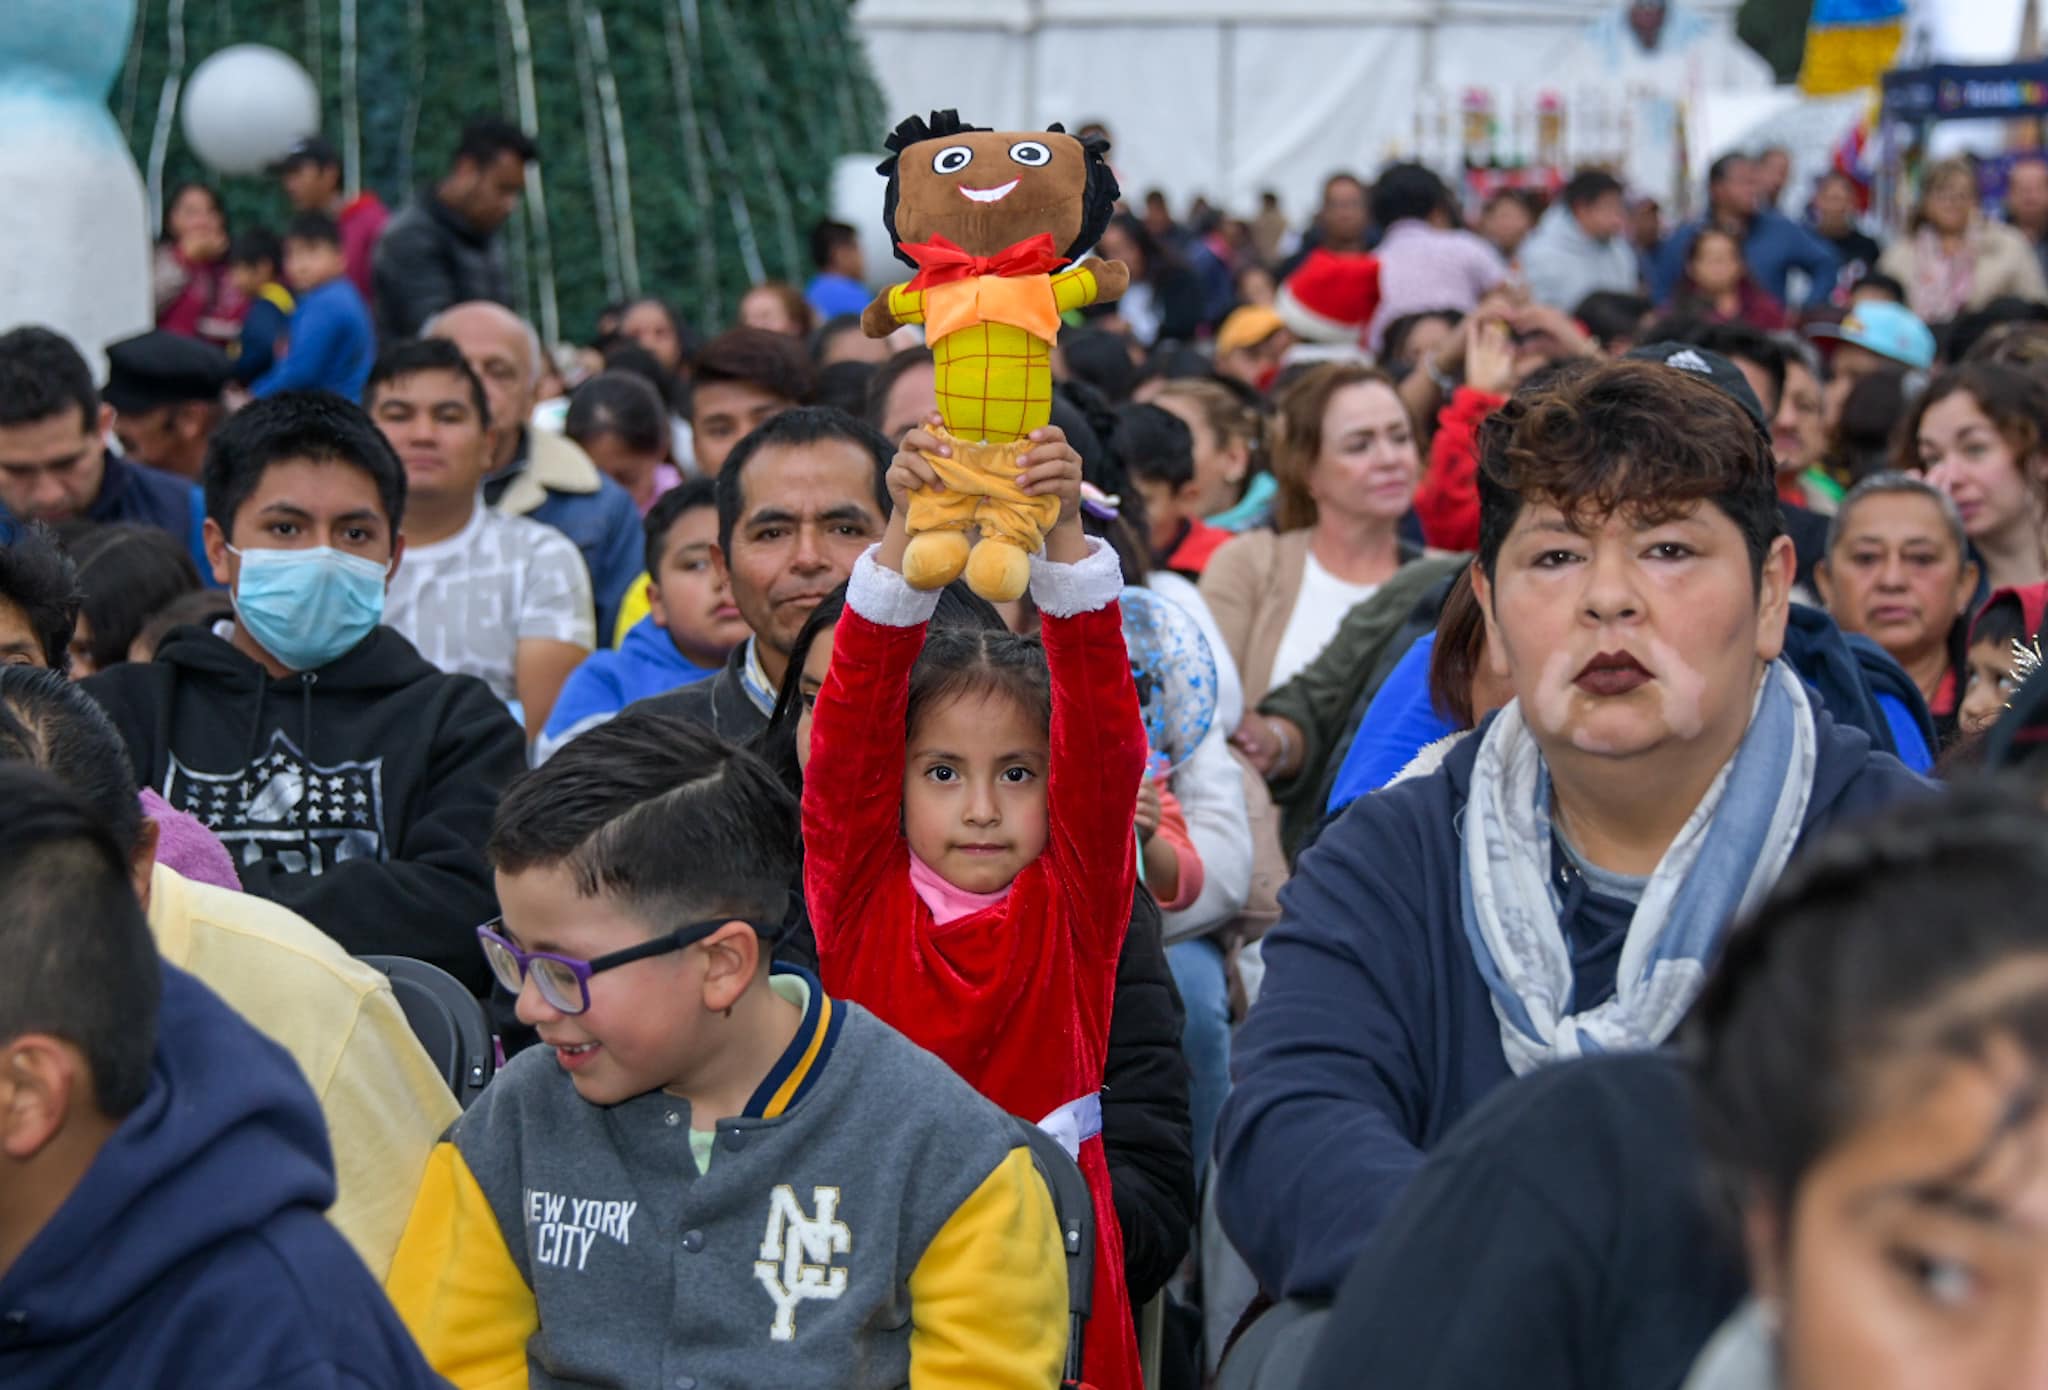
[(503, 598)]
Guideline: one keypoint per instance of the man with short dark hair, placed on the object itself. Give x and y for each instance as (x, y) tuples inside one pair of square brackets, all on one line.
[(310, 174), (798, 501), (441, 247), (159, 1160), (1559, 883), (39, 600), (1772, 244), (165, 391), (352, 781), (1581, 247), (840, 286), (739, 380), (538, 473), (502, 598), (54, 462)]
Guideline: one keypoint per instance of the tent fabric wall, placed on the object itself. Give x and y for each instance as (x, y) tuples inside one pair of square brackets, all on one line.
[(1223, 97)]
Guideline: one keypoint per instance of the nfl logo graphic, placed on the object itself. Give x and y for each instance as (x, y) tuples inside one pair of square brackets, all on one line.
[(287, 809)]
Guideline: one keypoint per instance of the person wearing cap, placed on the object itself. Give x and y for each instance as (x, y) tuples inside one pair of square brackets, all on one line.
[(1250, 344), (1327, 303), (310, 174), (165, 393), (1877, 336), (1559, 884), (1581, 247)]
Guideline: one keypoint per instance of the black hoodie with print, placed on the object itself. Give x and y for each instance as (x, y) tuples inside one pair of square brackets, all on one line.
[(359, 795)]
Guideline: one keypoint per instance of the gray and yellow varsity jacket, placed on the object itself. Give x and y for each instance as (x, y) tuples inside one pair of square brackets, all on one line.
[(869, 1221)]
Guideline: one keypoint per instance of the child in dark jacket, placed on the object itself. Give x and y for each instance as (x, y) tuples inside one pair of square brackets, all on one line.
[(253, 260), (333, 344), (183, 1160), (967, 817)]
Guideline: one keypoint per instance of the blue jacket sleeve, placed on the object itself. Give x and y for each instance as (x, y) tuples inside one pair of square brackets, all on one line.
[(1669, 263), (621, 560), (1818, 260), (265, 324), (1319, 1135), (318, 341), (1399, 723)]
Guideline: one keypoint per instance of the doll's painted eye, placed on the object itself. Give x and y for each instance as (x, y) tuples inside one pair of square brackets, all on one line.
[(1031, 154), (952, 159)]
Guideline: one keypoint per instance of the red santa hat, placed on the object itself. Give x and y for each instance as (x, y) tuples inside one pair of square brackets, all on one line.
[(1331, 296)]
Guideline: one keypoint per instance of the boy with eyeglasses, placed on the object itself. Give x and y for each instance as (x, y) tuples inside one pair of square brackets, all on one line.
[(710, 1173)]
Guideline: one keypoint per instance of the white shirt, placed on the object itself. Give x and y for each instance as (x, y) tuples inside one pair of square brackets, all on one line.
[(1318, 612), (469, 601)]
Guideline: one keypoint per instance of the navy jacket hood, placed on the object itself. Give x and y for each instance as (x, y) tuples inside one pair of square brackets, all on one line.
[(194, 1250)]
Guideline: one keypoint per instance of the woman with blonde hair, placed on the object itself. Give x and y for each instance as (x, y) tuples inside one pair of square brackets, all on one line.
[(1345, 461), (1954, 258)]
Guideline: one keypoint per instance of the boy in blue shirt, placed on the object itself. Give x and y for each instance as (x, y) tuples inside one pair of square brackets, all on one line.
[(691, 627), (333, 344)]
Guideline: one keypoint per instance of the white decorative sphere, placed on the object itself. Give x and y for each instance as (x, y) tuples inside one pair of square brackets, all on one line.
[(857, 195), (246, 105)]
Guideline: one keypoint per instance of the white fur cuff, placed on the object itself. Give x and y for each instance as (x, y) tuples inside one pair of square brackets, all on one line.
[(1066, 591), (883, 596)]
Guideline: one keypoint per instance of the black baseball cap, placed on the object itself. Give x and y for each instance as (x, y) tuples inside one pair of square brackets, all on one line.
[(157, 368), (1711, 365), (313, 149)]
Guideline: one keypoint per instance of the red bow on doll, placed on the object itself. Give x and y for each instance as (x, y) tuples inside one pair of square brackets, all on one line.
[(940, 262)]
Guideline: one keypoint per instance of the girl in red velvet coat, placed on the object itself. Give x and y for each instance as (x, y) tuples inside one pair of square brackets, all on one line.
[(968, 851)]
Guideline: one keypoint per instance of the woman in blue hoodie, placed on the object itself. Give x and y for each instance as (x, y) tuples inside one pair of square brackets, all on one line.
[(691, 626), (1559, 886)]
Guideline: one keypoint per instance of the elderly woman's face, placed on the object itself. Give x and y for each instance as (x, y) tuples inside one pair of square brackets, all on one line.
[(1896, 574), (1912, 1252), (1623, 639), (1949, 201)]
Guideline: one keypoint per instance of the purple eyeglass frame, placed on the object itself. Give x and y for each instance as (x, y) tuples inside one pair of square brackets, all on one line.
[(677, 940)]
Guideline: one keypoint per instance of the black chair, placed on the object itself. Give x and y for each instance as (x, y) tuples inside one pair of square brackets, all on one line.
[(1074, 1205), (1275, 1351), (446, 1018)]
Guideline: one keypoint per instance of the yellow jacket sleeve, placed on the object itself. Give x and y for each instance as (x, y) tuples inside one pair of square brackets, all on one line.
[(454, 1283), (386, 1104), (1074, 288), (632, 608), (906, 304), (988, 1300)]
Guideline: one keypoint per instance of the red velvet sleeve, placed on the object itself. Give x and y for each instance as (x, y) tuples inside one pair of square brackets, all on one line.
[(1447, 503), (853, 788), (1098, 755)]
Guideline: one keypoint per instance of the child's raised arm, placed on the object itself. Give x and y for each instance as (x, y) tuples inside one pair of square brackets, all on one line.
[(853, 787), (1098, 740)]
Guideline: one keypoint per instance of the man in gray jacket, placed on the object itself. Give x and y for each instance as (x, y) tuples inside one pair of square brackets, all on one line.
[(441, 249), (1579, 246)]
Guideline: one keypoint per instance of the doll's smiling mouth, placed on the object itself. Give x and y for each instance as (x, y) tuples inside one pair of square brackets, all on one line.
[(991, 195)]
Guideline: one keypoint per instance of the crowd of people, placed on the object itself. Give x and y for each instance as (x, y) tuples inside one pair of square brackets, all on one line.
[(1591, 934)]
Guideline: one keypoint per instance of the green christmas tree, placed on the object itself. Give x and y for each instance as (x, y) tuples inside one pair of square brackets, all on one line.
[(686, 145)]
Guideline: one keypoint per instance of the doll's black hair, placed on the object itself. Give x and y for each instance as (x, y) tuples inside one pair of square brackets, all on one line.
[(1099, 194)]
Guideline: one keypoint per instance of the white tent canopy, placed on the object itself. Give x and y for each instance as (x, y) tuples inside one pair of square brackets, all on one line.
[(1227, 98)]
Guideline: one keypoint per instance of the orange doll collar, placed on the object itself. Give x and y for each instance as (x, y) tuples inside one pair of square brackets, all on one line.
[(940, 262)]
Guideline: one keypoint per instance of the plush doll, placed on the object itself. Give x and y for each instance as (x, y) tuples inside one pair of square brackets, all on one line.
[(988, 218)]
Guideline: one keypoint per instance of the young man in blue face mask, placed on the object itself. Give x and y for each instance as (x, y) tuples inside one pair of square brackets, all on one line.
[(352, 781)]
